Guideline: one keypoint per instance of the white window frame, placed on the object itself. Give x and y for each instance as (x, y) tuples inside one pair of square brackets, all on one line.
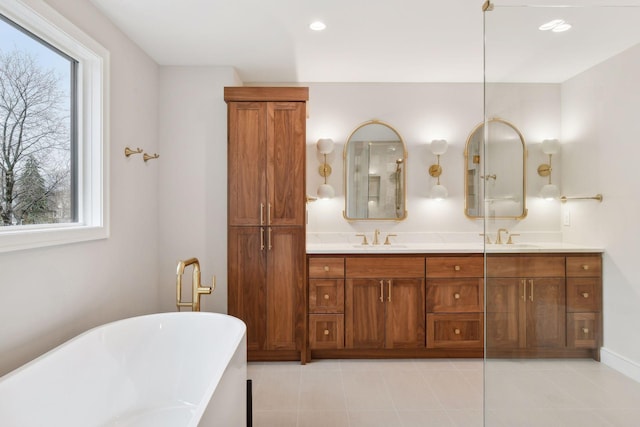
[(92, 129)]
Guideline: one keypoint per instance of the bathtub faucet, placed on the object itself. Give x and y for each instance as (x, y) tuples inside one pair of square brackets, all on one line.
[(196, 288)]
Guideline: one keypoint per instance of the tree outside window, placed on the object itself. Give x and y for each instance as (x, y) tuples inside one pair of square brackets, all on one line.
[(36, 137)]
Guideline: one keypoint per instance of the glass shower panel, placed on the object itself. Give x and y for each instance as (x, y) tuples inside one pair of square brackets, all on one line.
[(572, 74)]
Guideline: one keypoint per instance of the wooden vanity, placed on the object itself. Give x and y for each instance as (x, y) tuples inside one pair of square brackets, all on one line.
[(432, 305)]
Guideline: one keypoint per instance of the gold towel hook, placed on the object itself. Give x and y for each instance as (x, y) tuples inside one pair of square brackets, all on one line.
[(146, 156), (128, 151)]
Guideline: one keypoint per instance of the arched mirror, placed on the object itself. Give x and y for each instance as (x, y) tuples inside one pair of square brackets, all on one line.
[(494, 181), (375, 173)]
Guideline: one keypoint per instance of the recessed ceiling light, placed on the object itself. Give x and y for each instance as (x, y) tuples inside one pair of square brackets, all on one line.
[(557, 26), (549, 25), (317, 26), (561, 28)]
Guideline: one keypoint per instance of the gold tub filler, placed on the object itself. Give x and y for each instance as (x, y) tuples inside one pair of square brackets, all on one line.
[(196, 288)]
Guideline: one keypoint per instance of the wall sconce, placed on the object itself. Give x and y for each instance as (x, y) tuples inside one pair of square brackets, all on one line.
[(438, 147), (325, 146), (549, 191)]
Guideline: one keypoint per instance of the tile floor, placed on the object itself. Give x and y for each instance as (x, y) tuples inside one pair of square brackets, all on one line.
[(442, 392)]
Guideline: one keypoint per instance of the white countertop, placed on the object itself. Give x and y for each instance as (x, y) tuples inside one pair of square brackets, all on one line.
[(430, 248)]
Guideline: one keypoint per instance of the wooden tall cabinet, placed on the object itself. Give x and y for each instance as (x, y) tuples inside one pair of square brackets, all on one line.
[(266, 217)]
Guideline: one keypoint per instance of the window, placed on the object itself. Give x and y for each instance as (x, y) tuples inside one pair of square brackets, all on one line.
[(53, 127)]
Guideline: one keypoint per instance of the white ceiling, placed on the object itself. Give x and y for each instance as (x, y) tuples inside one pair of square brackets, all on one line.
[(374, 40)]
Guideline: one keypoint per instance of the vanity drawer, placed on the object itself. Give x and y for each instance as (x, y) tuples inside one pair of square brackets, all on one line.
[(455, 295), (326, 295), (453, 267), (387, 267), (326, 331), (583, 330), (525, 266), (455, 330), (583, 294), (584, 266), (326, 267)]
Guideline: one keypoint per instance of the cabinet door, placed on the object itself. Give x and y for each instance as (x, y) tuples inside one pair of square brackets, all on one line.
[(364, 313), (583, 294), (455, 295), (405, 313), (247, 156), (247, 282), (455, 267), (326, 331), (546, 316), (285, 292), (583, 330), (326, 295), (584, 266), (286, 163), (461, 330), (505, 309), (324, 268)]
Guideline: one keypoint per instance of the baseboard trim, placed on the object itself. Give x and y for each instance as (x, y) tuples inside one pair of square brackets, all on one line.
[(620, 363)]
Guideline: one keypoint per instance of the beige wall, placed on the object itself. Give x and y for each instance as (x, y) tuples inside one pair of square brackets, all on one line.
[(50, 295), (421, 112), (600, 153), (193, 181)]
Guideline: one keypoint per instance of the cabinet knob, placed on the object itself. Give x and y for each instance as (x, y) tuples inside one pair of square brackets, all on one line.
[(326, 296), (326, 332), (585, 330), (456, 331), (585, 294), (456, 296), (326, 268), (456, 268), (585, 267)]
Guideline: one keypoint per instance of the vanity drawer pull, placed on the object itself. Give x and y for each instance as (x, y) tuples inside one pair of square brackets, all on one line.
[(456, 331), (456, 268), (326, 268), (585, 294), (326, 296), (326, 332), (585, 266), (585, 330), (456, 296)]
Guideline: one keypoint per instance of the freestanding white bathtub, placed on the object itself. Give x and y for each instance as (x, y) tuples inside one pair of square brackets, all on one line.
[(170, 369)]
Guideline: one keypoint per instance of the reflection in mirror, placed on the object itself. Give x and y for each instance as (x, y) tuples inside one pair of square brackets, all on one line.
[(375, 173), (495, 172)]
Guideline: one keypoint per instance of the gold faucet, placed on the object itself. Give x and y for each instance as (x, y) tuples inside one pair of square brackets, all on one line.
[(364, 238), (498, 238), (196, 289), (387, 241), (376, 235), (487, 239)]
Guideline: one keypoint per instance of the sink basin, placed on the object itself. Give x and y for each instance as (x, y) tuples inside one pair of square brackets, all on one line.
[(513, 247)]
